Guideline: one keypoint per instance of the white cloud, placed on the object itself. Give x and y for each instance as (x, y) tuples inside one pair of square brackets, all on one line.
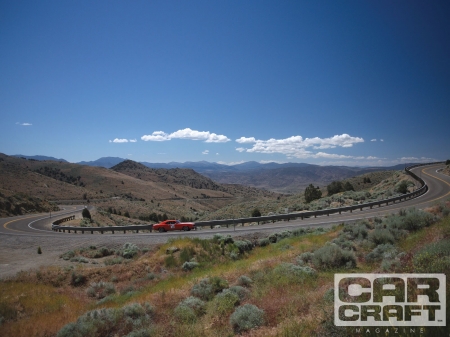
[(296, 146), (118, 140), (373, 140), (231, 163), (381, 140), (123, 140), (24, 124), (244, 140), (331, 156), (156, 136), (271, 161), (187, 133), (205, 152)]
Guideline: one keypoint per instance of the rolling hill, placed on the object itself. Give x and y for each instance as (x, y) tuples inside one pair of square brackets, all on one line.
[(129, 187)]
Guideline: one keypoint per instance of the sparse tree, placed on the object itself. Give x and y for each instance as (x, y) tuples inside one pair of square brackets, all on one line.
[(256, 213), (312, 193), (348, 186), (127, 214), (335, 187), (86, 214), (402, 187)]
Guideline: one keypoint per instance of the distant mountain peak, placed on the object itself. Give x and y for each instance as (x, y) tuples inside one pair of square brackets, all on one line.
[(38, 157)]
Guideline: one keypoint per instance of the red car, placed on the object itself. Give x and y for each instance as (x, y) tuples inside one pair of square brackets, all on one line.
[(173, 225)]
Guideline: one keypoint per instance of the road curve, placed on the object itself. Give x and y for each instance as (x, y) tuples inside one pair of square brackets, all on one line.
[(20, 236)]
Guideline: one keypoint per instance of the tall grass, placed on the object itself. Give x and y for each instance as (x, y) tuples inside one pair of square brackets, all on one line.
[(43, 309)]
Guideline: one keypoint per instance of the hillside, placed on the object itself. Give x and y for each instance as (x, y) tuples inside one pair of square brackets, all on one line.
[(377, 185), (290, 179), (131, 187)]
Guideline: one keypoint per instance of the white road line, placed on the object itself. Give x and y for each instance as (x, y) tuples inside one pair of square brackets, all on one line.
[(48, 217)]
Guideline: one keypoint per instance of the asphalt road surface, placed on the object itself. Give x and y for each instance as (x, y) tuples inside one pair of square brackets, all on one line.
[(21, 236)]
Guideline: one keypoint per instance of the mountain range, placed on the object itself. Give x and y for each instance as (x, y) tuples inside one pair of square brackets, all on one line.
[(282, 178)]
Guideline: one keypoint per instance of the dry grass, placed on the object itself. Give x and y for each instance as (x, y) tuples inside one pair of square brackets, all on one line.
[(42, 307)]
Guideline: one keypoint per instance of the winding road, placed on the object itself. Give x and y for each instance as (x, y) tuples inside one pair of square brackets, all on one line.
[(21, 236)]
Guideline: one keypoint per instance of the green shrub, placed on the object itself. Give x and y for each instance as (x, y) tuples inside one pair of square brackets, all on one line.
[(390, 265), (242, 292), (195, 304), (298, 232), (263, 242), (110, 322), (187, 266), (113, 261), (243, 245), (355, 232), (284, 234), (224, 302), (100, 290), (208, 287), (244, 281), (105, 251), (446, 211), (219, 238), (294, 271), (151, 276), (273, 238), (129, 250), (77, 279), (39, 250), (381, 236), (246, 317), (344, 243), (380, 252), (68, 255), (304, 258), (402, 187), (415, 219), (185, 314), (332, 256), (79, 259), (433, 258), (329, 295)]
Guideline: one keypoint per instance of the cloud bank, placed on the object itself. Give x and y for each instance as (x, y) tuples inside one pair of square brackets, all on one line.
[(297, 146), (206, 136)]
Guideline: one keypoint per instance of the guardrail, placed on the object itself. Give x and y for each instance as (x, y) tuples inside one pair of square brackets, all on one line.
[(68, 218), (57, 228), (290, 216)]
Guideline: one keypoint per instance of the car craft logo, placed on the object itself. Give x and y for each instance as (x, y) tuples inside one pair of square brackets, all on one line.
[(389, 300)]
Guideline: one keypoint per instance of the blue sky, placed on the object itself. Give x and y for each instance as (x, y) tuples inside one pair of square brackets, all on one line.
[(322, 82)]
